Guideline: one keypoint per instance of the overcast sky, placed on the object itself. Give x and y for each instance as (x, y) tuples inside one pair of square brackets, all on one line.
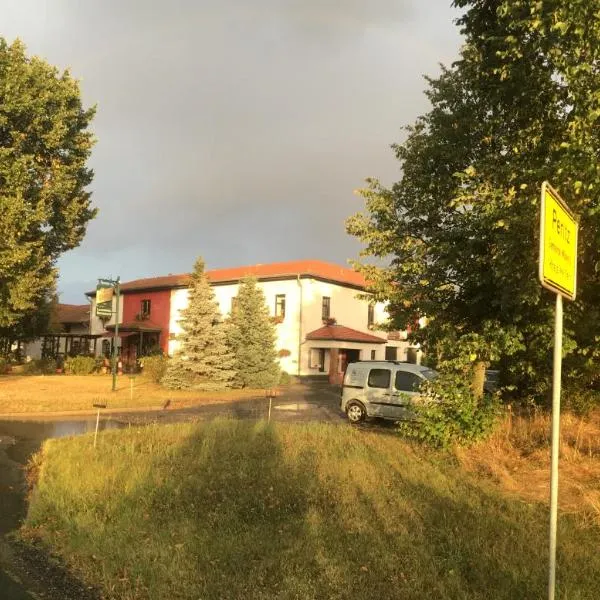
[(234, 129)]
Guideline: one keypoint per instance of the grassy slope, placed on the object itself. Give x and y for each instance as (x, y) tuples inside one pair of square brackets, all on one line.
[(49, 393), (241, 510)]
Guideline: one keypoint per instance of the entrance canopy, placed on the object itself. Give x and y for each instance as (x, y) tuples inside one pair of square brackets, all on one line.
[(339, 333), (135, 327)]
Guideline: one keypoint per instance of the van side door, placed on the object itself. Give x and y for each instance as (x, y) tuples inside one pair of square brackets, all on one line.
[(378, 392), (406, 390)]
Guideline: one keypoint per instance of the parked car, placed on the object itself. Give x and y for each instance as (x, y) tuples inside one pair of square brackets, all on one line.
[(382, 389)]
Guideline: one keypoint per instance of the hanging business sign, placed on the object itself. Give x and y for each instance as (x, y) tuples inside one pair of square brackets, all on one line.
[(104, 296), (558, 244)]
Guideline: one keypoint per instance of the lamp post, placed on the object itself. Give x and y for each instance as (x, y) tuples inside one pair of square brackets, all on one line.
[(104, 309), (114, 349)]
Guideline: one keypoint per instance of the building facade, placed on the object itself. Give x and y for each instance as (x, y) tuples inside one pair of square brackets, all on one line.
[(71, 335), (321, 316)]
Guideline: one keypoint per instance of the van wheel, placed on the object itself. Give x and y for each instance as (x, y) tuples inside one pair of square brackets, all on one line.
[(356, 412)]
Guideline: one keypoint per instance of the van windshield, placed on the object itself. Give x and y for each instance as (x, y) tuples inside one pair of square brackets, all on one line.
[(430, 374)]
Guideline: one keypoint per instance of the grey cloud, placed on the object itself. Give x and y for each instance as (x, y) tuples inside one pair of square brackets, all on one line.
[(235, 129)]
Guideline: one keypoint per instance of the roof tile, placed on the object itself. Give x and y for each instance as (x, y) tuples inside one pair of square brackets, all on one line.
[(73, 313), (340, 333), (315, 268)]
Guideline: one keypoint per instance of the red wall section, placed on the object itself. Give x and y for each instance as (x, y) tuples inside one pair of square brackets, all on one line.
[(160, 311)]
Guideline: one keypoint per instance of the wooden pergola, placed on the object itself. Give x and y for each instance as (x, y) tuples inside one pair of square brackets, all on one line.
[(68, 344)]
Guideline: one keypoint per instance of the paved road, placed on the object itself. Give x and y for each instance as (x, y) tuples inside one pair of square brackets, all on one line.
[(298, 403)]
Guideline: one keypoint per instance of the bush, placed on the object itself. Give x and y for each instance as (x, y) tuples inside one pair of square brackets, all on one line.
[(450, 414), (4, 366), (154, 366), (80, 365), (285, 378), (40, 366), (579, 398)]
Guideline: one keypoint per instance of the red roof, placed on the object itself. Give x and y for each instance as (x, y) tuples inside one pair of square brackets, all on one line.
[(136, 326), (73, 313), (312, 268), (339, 333)]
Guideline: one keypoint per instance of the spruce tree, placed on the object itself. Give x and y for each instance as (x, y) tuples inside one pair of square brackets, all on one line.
[(204, 360), (253, 338)]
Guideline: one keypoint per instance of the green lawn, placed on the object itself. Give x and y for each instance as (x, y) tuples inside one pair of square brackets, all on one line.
[(234, 509)]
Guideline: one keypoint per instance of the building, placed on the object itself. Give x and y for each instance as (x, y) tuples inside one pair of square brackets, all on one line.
[(70, 336), (322, 322)]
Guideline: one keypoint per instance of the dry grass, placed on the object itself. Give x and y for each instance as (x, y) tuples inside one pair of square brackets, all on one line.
[(57, 393), (517, 457)]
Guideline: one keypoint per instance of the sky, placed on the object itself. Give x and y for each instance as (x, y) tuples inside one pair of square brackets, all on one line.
[(236, 130)]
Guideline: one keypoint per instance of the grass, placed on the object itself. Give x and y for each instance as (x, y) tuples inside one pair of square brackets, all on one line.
[(57, 393), (517, 458), (235, 509)]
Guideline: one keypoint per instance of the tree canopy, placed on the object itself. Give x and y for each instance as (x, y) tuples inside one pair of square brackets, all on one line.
[(45, 206), (459, 231)]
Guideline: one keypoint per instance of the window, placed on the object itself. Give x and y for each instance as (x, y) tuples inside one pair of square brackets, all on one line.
[(391, 353), (234, 303), (145, 308), (371, 315), (326, 308), (379, 378), (372, 354), (407, 382), (280, 306)]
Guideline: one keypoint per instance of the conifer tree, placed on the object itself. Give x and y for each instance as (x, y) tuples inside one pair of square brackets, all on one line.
[(252, 338), (204, 360)]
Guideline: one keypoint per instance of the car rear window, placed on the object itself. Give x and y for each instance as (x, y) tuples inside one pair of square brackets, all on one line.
[(379, 378)]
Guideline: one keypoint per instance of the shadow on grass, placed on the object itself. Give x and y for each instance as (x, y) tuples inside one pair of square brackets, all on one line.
[(234, 509)]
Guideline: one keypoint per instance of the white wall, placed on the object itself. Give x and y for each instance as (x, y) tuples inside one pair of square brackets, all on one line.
[(287, 332), (349, 310), (302, 298)]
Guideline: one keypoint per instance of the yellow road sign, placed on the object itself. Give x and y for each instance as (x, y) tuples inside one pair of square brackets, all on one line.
[(558, 244)]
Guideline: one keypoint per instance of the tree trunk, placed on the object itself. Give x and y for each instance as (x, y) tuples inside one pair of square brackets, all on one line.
[(478, 378)]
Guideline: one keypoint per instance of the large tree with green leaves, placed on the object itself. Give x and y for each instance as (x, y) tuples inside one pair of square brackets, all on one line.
[(204, 360), (459, 231), (44, 204), (252, 337)]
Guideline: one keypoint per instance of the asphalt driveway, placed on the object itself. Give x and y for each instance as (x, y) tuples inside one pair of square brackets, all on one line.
[(303, 402)]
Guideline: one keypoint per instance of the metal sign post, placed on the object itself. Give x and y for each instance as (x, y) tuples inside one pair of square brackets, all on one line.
[(558, 273), (114, 349), (104, 295)]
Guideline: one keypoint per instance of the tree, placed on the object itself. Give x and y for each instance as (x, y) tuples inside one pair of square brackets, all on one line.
[(44, 204), (33, 324), (204, 360), (460, 229), (253, 338)]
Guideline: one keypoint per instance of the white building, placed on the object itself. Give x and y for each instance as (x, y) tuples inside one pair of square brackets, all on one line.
[(322, 323)]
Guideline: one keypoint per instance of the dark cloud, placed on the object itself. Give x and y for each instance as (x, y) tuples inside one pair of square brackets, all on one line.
[(234, 129)]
